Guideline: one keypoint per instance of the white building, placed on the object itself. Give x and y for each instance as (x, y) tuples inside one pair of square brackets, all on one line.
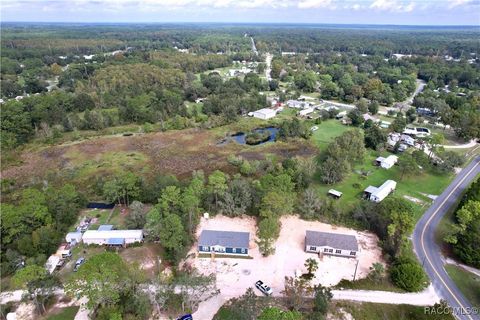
[(264, 114), (306, 111), (298, 104), (52, 263), (378, 194), (336, 244), (387, 162), (112, 237), (73, 237)]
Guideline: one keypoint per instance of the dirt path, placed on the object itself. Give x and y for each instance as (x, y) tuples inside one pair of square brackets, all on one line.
[(468, 145), (428, 297), (465, 267)]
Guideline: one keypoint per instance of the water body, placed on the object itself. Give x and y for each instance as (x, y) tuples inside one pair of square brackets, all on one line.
[(240, 136)]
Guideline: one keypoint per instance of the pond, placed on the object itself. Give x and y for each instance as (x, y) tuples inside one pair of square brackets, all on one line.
[(241, 137)]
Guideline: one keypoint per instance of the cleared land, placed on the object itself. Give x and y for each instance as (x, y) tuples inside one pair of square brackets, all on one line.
[(234, 276)]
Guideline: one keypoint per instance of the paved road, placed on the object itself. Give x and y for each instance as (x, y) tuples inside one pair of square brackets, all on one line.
[(429, 252)]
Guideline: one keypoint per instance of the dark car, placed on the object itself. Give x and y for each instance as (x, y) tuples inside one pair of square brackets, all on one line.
[(186, 317)]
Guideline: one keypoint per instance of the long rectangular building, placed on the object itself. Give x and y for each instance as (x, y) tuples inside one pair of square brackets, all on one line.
[(112, 237)]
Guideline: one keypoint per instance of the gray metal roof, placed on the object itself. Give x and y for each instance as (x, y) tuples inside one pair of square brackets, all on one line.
[(231, 239), (333, 240)]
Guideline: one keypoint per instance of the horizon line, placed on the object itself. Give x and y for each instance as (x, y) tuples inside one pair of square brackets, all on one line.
[(242, 22)]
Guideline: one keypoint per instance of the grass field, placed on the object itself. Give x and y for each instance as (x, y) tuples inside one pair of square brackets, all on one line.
[(413, 186), (327, 131), (467, 282), (67, 313), (377, 311)]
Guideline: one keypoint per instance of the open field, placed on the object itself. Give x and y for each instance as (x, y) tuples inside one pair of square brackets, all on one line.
[(234, 276), (67, 313), (172, 152), (327, 131), (467, 282)]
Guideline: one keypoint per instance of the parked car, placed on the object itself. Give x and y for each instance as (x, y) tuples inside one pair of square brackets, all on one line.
[(314, 128), (78, 263), (186, 317), (266, 290)]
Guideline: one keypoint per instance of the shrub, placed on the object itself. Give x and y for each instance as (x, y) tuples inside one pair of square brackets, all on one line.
[(408, 275)]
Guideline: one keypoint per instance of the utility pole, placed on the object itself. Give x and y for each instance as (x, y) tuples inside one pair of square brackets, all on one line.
[(356, 266)]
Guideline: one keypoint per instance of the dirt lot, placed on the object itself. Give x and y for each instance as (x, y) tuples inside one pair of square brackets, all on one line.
[(234, 276)]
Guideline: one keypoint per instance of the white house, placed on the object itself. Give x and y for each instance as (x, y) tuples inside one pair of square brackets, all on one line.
[(336, 244), (112, 237), (88, 57), (298, 104), (74, 237), (387, 162), (264, 114), (52, 263), (378, 194), (306, 111)]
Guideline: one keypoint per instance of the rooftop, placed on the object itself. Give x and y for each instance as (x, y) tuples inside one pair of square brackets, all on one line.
[(333, 240), (231, 239)]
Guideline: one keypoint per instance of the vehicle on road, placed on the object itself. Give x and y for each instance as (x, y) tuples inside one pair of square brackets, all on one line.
[(266, 290)]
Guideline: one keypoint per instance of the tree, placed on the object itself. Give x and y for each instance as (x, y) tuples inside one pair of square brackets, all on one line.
[(356, 117), (373, 107), (377, 271), (398, 125), (136, 219), (268, 230), (312, 266), (450, 160), (38, 283), (195, 288), (408, 166), (102, 279), (321, 298), (408, 275), (399, 229), (296, 291), (375, 138), (333, 170), (310, 204), (237, 199), (276, 203), (172, 235), (217, 184)]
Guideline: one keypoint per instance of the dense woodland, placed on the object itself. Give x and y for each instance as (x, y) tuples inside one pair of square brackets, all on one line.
[(149, 83)]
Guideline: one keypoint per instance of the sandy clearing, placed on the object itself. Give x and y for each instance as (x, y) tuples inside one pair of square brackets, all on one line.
[(234, 276)]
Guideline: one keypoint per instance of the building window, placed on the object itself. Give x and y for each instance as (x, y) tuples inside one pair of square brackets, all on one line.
[(243, 250), (338, 251), (352, 253), (330, 250), (205, 248), (234, 250), (312, 248), (325, 250)]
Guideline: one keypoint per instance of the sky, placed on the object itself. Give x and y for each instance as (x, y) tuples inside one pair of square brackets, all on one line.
[(398, 12)]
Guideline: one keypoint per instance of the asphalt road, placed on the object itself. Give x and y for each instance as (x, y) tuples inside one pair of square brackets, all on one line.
[(429, 252)]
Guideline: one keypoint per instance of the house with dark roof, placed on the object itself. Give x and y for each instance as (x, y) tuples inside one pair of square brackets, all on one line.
[(224, 242), (336, 244)]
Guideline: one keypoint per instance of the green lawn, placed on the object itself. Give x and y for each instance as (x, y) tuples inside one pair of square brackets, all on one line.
[(368, 284), (467, 282), (378, 311), (327, 131), (67, 313), (413, 186)]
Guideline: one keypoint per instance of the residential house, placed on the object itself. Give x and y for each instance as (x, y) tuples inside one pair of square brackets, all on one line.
[(297, 104), (387, 162), (336, 244), (112, 237), (306, 111), (224, 242), (264, 114), (378, 194)]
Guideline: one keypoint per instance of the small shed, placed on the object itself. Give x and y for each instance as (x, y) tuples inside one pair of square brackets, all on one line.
[(387, 162), (73, 237), (52, 263), (334, 193)]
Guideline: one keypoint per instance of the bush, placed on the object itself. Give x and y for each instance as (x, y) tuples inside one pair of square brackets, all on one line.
[(408, 275)]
